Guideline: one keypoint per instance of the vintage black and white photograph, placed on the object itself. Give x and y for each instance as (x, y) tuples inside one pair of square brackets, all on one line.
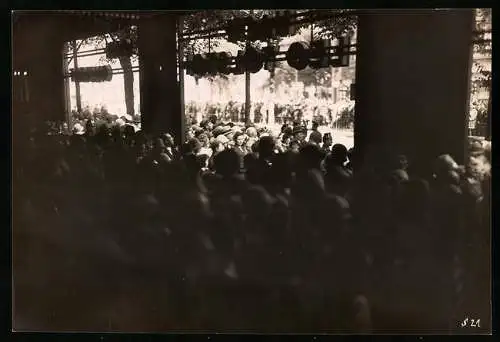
[(252, 171)]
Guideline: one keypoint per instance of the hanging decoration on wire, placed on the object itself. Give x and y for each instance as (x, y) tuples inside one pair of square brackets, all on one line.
[(92, 74), (316, 54)]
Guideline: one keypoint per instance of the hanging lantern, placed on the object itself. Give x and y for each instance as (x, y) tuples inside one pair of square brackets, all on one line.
[(199, 65), (253, 60), (319, 57), (92, 74), (211, 64), (297, 55), (223, 59)]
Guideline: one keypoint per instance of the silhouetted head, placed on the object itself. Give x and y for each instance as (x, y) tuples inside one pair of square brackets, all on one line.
[(338, 154), (192, 146), (310, 157), (266, 147), (300, 133), (227, 163), (315, 138)]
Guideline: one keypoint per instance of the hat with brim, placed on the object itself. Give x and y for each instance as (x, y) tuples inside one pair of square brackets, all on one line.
[(218, 130), (226, 129), (299, 129), (236, 129)]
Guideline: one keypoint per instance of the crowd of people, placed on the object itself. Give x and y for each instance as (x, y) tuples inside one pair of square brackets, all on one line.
[(325, 113), (240, 230)]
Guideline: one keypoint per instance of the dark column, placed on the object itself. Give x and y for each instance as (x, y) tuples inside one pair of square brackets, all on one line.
[(412, 82), (159, 85), (38, 50)]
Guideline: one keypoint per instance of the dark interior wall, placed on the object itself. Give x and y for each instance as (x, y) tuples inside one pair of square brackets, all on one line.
[(37, 49), (412, 81), (160, 90)]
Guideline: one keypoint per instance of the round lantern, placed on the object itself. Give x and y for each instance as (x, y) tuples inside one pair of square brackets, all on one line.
[(298, 55), (199, 65), (223, 59), (253, 60)]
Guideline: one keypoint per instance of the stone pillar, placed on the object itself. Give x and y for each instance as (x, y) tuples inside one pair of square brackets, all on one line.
[(412, 82), (159, 84)]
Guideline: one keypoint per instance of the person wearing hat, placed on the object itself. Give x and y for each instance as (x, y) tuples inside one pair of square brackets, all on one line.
[(217, 131), (315, 138), (259, 171), (338, 177), (300, 133)]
